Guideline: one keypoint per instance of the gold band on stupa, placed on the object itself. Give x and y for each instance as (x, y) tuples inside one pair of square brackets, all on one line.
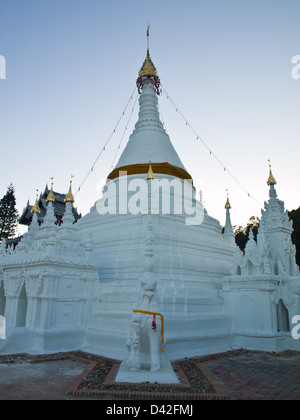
[(143, 168)]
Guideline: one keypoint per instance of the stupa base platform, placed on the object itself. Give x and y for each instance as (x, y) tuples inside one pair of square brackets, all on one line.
[(165, 375)]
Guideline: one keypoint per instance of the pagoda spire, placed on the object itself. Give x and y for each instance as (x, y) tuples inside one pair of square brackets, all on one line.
[(228, 231), (51, 196), (271, 179), (69, 196), (148, 36), (271, 182), (36, 207), (148, 72), (227, 205), (149, 137)]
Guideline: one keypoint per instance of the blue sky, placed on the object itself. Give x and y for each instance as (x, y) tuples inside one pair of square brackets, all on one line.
[(71, 66)]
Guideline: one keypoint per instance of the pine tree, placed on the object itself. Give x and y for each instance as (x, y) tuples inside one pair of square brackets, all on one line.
[(8, 214)]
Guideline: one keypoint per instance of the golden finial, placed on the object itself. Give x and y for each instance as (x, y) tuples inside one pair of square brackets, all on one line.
[(51, 196), (36, 207), (150, 172), (69, 197), (271, 180), (148, 71), (227, 205), (148, 36)]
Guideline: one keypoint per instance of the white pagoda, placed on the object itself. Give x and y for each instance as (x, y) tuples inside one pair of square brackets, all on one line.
[(75, 286)]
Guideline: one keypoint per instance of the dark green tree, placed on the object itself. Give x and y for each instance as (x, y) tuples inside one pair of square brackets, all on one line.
[(242, 234), (8, 214), (294, 215)]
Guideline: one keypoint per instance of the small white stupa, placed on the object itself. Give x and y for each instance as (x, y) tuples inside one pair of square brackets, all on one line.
[(262, 295)]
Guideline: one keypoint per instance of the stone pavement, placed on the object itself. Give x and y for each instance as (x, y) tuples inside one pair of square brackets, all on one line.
[(259, 376), (39, 381), (234, 375)]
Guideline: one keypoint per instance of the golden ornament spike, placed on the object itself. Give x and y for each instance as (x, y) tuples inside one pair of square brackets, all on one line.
[(150, 173), (36, 207), (148, 72), (271, 180), (148, 68), (69, 197), (227, 205), (51, 196)]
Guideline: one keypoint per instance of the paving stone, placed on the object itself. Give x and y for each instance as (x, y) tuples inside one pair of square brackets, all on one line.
[(235, 375)]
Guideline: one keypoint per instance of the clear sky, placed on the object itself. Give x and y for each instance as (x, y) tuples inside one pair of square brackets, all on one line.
[(71, 67)]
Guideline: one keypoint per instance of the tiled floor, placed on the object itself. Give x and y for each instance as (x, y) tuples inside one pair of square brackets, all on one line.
[(236, 374)]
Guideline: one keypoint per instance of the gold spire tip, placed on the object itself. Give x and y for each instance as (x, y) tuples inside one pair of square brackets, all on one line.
[(227, 205), (148, 69), (150, 173), (51, 196), (69, 197), (271, 180), (148, 72), (36, 207)]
